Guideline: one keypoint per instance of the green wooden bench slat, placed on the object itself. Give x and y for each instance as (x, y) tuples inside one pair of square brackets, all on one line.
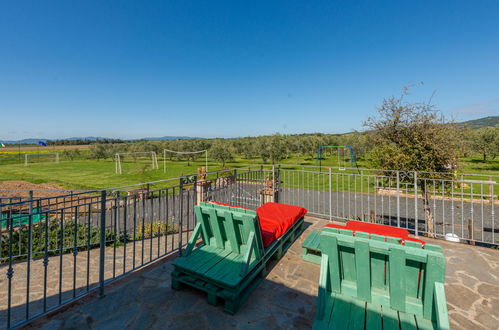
[(435, 272), (348, 270), (313, 240), (193, 239), (407, 321), (215, 226), (373, 316), (424, 324), (341, 310), (230, 230), (204, 267), (413, 244), (412, 272), (322, 322), (390, 318), (357, 315), (433, 247), (362, 256), (203, 221), (331, 244), (199, 257), (442, 318), (227, 270), (397, 278), (323, 290)]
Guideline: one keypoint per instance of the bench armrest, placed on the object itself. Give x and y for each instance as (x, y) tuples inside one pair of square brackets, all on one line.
[(442, 317), (247, 255), (192, 240), (323, 292)]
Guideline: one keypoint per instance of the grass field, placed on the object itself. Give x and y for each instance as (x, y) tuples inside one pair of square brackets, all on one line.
[(97, 174)]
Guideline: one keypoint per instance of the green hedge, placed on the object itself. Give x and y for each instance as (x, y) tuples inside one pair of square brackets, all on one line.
[(20, 238)]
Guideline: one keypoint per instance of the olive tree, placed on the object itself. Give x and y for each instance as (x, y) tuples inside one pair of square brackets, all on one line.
[(413, 137), (221, 151), (486, 141), (277, 148)]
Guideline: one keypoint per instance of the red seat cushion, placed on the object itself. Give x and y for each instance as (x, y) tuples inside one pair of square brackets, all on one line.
[(377, 229), (374, 228), (331, 225), (218, 203), (276, 219)]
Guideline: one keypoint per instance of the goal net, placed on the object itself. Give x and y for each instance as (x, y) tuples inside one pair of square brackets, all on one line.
[(146, 158), (42, 157), (189, 154)]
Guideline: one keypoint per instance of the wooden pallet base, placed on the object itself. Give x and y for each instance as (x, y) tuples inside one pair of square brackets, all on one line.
[(233, 297)]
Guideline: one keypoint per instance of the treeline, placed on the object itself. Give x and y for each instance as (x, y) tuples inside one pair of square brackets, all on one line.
[(78, 142), (271, 149), (275, 148)]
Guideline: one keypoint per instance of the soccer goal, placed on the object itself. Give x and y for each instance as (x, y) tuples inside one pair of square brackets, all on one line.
[(42, 157), (121, 156), (188, 153)]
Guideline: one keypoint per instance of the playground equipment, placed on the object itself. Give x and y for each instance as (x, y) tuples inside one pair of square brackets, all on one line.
[(344, 155)]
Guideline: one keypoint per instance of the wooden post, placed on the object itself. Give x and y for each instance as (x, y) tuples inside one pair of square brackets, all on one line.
[(202, 185), (267, 194), (470, 232)]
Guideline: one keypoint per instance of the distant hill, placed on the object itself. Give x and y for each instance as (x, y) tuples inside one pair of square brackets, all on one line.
[(94, 138), (491, 121), (170, 138)]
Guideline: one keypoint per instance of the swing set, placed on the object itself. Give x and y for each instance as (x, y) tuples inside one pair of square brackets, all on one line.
[(345, 156)]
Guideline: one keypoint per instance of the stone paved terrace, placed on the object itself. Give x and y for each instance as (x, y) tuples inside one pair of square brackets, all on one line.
[(284, 300)]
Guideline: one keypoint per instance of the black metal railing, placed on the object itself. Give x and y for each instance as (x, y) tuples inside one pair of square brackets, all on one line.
[(54, 250)]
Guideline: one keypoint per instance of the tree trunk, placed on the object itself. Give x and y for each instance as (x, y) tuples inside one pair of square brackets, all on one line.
[(484, 156), (427, 212)]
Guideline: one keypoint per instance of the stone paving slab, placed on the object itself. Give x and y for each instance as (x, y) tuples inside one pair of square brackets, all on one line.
[(284, 300), (75, 277)]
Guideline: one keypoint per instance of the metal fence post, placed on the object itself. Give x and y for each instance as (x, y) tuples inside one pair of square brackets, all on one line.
[(416, 225), (278, 181), (330, 196), (181, 210), (235, 187), (398, 198), (102, 241)]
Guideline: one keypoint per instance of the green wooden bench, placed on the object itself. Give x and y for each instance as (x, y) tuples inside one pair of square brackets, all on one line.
[(231, 260), (311, 246), (367, 283)]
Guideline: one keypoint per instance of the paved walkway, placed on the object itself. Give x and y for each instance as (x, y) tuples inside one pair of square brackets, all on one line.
[(76, 278), (284, 300)]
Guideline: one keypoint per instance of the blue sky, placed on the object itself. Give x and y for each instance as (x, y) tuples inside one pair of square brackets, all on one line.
[(132, 69)]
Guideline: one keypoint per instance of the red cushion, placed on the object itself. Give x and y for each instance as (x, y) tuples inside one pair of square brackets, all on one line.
[(276, 219), (373, 228), (377, 229), (218, 203), (331, 225)]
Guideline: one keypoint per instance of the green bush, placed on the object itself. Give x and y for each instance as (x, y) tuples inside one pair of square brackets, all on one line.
[(86, 237)]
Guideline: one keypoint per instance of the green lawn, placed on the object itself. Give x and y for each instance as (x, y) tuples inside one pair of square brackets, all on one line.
[(93, 174)]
